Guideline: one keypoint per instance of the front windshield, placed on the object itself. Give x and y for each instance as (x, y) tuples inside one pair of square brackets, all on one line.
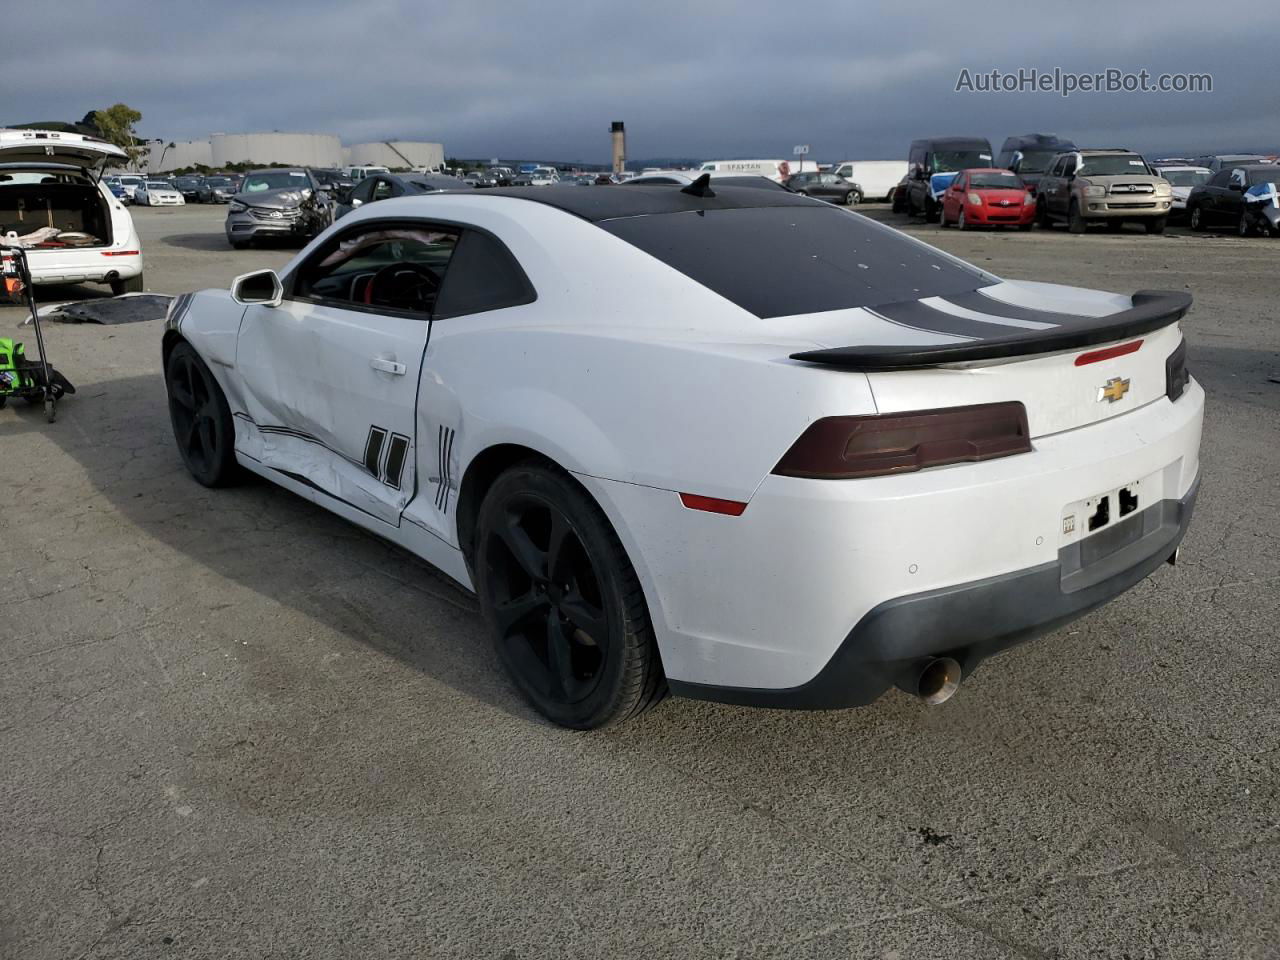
[(158, 185), (219, 181), (951, 161), (131, 181), (1005, 181), (275, 180), (1112, 165), (1185, 178), (1036, 161)]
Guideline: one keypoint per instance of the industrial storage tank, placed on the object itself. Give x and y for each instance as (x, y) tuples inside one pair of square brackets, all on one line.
[(262, 149), (395, 154), (166, 155)]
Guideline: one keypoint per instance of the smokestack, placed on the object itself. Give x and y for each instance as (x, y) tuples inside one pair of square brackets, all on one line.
[(619, 133)]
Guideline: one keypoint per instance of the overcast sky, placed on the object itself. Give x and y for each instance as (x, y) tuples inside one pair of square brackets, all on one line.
[(701, 80)]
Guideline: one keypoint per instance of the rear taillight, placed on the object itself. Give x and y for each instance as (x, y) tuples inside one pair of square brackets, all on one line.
[(1176, 377), (843, 448)]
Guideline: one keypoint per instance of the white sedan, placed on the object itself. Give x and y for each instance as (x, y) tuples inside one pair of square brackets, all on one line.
[(158, 193), (762, 450)]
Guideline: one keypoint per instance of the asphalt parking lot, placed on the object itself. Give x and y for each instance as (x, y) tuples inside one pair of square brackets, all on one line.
[(235, 726)]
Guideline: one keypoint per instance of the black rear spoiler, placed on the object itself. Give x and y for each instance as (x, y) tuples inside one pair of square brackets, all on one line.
[(1151, 310)]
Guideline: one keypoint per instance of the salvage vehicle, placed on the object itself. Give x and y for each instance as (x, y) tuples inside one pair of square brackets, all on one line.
[(988, 197), (875, 178), (1103, 186), (189, 187), (1182, 178), (158, 193), (826, 186), (765, 451), (1218, 203), (277, 204), (54, 204), (931, 166), (1217, 161), (1261, 210), (217, 190), (1029, 155), (130, 184), (384, 186)]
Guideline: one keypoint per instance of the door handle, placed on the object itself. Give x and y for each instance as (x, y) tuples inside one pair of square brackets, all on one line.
[(388, 366)]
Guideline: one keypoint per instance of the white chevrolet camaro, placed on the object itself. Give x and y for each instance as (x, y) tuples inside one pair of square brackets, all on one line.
[(730, 443)]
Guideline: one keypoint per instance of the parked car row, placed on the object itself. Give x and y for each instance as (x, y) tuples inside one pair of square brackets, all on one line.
[(1044, 179), (217, 188)]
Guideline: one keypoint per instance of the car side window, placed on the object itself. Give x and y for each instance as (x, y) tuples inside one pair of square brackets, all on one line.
[(381, 189), (1068, 166), (483, 275), (1220, 178), (387, 268), (1237, 177)]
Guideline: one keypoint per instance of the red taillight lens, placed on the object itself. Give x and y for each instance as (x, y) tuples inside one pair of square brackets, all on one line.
[(843, 448), (1097, 356)]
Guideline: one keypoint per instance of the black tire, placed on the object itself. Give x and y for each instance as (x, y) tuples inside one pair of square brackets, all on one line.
[(930, 214), (961, 222), (1195, 219), (202, 423), (132, 285), (1115, 226), (240, 244), (852, 198), (1155, 225), (1075, 222), (562, 602), (1025, 226), (1042, 215), (1243, 227)]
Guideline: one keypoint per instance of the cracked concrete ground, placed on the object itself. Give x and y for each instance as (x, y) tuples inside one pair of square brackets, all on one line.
[(233, 726)]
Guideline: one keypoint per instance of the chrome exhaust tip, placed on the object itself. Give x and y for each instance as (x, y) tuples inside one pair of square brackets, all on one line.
[(938, 680), (1172, 559)]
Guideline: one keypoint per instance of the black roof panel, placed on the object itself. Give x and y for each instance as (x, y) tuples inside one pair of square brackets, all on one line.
[(610, 203)]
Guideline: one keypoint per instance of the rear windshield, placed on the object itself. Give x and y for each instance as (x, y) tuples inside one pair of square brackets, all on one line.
[(782, 261)]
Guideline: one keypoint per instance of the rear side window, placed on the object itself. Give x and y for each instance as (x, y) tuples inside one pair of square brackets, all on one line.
[(782, 261), (483, 275)]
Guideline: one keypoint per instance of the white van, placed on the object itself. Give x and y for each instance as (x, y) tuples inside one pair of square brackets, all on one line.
[(775, 170), (359, 173), (54, 204), (877, 178)]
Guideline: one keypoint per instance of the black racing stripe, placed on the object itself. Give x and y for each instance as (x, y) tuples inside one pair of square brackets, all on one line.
[(373, 449), (913, 313), (395, 459), (981, 303), (440, 465), (448, 478)]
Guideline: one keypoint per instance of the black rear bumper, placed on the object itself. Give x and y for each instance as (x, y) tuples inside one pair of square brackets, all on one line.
[(971, 621)]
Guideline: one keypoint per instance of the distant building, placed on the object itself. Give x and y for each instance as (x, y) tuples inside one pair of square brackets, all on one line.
[(294, 149)]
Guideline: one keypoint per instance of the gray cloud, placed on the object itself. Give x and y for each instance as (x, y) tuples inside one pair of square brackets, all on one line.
[(716, 78)]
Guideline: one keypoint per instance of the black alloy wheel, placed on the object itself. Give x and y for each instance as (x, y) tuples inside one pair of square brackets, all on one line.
[(562, 601), (202, 424)]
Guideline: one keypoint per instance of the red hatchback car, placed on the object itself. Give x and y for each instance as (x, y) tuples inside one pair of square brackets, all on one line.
[(988, 197)]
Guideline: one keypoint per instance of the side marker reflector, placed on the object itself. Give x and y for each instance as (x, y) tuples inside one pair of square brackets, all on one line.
[(1096, 356), (731, 508)]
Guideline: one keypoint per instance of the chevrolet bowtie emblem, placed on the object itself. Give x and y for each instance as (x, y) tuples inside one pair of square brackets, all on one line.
[(1114, 390)]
